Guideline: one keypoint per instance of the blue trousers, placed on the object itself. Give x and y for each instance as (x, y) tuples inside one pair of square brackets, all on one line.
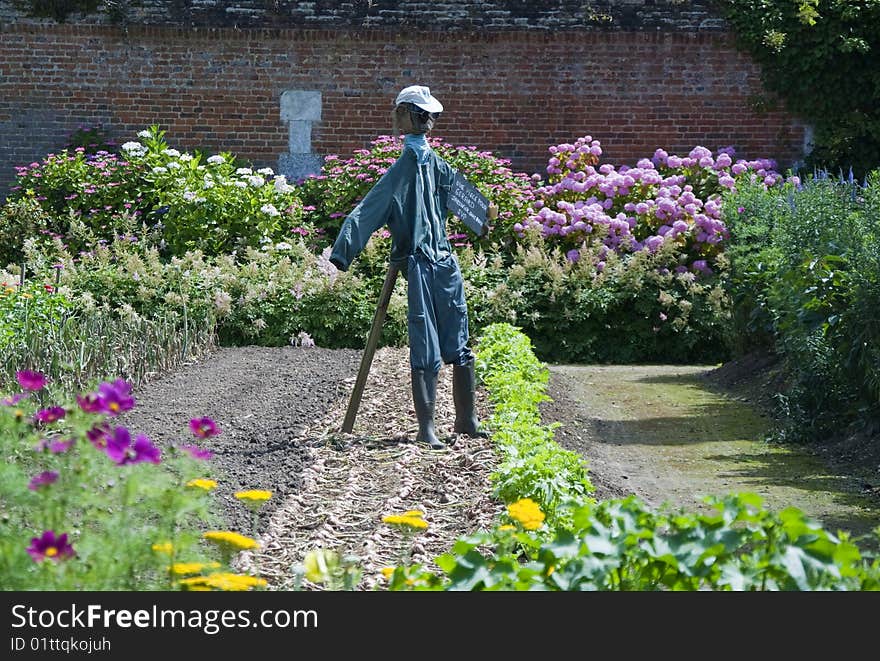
[(437, 314)]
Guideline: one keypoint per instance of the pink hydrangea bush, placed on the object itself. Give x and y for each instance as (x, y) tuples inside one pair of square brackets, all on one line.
[(665, 200)]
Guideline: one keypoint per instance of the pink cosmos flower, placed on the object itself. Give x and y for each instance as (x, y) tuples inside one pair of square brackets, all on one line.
[(48, 545), (90, 403), (98, 435), (13, 400), (122, 451), (49, 415), (115, 397)]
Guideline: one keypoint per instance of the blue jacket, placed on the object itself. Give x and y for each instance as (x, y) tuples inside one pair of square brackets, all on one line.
[(410, 199)]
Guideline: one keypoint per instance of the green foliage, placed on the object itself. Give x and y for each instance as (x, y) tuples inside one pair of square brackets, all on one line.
[(820, 56), (622, 545), (804, 265), (571, 542), (20, 220), (533, 465), (214, 206), (28, 310), (154, 193), (612, 309), (285, 296), (93, 139), (115, 311)]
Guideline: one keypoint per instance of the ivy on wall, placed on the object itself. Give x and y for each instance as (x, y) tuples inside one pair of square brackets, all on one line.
[(823, 58)]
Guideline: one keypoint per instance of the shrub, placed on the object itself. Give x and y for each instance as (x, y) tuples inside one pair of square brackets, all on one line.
[(802, 47), (19, 220), (664, 200), (599, 309), (813, 283), (276, 296), (177, 201)]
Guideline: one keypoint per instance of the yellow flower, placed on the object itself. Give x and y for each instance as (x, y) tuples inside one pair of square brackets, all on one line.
[(387, 572), (254, 495), (410, 519), (202, 483), (26, 295), (527, 512), (231, 540), (233, 582), (192, 567), (194, 584), (507, 526), (164, 547)]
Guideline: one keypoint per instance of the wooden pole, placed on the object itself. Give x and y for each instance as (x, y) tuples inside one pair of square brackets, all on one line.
[(372, 341)]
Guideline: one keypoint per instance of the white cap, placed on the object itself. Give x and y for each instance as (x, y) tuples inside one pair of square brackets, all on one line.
[(420, 96)]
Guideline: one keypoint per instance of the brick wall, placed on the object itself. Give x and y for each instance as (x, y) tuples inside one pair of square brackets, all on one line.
[(513, 91)]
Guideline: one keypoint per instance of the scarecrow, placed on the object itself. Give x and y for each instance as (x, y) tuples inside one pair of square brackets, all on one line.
[(410, 199)]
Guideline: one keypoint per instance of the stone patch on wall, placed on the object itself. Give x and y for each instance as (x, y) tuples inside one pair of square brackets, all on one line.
[(300, 109)]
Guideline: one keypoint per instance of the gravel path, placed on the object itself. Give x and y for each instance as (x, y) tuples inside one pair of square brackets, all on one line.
[(280, 411)]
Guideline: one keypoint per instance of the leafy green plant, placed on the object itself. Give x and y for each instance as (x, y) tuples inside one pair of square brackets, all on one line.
[(152, 192), (808, 45), (622, 545), (532, 464), (21, 220), (613, 309), (803, 280)]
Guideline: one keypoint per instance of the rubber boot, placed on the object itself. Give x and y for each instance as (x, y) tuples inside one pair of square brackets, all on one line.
[(463, 387), (424, 390)]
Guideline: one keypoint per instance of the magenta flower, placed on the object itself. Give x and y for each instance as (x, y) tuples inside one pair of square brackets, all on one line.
[(44, 479), (90, 403), (48, 545), (31, 380), (98, 435), (115, 397), (14, 399), (49, 415), (203, 427), (122, 451), (196, 452)]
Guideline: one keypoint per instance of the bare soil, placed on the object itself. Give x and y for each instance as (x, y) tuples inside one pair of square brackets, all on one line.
[(667, 434)]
